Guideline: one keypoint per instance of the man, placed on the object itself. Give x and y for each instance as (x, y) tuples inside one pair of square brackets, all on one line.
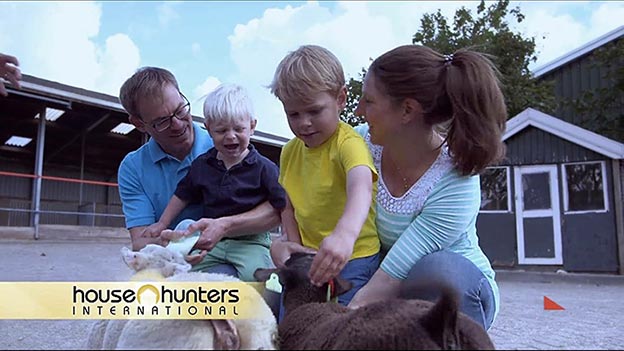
[(149, 175)]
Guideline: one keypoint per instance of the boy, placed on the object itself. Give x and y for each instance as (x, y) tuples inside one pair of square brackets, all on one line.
[(327, 172), (230, 178)]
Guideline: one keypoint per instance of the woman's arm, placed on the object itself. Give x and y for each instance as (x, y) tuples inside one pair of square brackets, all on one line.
[(380, 287), (448, 213)]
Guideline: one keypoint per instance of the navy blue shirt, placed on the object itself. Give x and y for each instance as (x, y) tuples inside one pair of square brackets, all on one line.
[(226, 192)]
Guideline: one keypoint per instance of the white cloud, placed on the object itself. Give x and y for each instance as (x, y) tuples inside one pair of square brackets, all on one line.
[(200, 92), (195, 49), (56, 41), (118, 61), (607, 17), (355, 32), (561, 27), (167, 12)]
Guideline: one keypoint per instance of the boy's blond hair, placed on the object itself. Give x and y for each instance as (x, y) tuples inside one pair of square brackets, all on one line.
[(228, 102), (308, 70)]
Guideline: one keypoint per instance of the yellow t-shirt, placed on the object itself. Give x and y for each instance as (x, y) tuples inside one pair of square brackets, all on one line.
[(316, 182)]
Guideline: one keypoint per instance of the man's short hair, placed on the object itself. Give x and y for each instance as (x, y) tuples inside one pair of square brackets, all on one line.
[(146, 82), (310, 69), (229, 102)]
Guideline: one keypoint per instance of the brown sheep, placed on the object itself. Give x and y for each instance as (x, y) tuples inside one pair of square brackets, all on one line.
[(312, 323)]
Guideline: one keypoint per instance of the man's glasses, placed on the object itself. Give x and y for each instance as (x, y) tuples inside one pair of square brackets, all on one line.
[(162, 124)]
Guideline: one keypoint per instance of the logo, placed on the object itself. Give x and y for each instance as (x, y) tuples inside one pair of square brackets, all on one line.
[(129, 300)]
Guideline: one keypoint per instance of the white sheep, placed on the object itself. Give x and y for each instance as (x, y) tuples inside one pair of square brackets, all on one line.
[(164, 264), (255, 333), (311, 323), (157, 258)]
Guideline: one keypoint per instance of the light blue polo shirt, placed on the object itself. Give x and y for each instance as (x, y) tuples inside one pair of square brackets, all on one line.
[(148, 177)]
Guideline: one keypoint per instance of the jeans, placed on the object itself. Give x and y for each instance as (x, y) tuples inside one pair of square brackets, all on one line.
[(475, 292), (358, 271)]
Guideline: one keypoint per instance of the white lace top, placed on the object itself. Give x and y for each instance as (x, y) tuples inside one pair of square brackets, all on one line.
[(438, 212), (410, 203)]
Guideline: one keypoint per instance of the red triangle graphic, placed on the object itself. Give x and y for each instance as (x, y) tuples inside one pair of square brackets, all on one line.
[(551, 305)]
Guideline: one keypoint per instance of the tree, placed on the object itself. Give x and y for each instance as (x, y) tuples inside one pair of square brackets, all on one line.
[(603, 108), (488, 32), (354, 92)]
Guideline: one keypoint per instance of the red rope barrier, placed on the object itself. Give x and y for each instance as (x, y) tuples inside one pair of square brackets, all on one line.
[(61, 179)]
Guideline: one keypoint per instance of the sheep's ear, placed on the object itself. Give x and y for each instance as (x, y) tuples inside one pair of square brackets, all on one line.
[(263, 274), (441, 321), (341, 286)]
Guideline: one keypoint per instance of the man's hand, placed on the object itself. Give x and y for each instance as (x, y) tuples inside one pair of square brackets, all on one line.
[(212, 231), (10, 71), (281, 250), (168, 235), (153, 230), (334, 253)]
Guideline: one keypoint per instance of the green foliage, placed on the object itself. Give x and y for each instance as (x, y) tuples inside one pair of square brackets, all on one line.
[(488, 32), (602, 109), (354, 92)]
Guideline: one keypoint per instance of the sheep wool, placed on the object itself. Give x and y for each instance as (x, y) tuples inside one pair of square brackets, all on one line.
[(311, 323), (171, 334)]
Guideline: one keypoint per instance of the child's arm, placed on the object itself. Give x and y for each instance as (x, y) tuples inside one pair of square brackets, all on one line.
[(289, 223), (336, 249), (174, 207), (290, 240)]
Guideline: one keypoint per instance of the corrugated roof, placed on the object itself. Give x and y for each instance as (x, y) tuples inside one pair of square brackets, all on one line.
[(580, 51), (58, 90)]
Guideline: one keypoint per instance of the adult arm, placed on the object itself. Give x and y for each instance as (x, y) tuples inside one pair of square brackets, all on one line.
[(10, 71), (174, 207), (447, 214), (381, 286), (260, 219), (139, 241), (137, 207)]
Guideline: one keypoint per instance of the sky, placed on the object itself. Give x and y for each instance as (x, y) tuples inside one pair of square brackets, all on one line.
[(98, 45)]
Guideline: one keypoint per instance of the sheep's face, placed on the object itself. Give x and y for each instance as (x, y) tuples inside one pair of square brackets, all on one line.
[(296, 283), (155, 257)]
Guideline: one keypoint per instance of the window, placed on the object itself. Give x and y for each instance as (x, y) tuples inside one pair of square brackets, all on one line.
[(495, 190), (584, 187)]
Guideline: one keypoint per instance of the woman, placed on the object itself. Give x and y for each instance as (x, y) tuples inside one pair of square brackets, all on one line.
[(429, 192)]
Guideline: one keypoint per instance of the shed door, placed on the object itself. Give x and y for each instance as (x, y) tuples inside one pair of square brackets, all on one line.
[(538, 223)]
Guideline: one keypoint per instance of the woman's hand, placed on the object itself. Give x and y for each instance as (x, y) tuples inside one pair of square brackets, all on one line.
[(381, 287)]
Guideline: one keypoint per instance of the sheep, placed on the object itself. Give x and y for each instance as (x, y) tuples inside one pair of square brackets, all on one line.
[(312, 323), (259, 332), (155, 258)]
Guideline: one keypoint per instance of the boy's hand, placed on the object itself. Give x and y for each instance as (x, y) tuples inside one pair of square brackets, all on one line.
[(212, 231), (153, 230), (281, 250), (196, 258), (334, 253)]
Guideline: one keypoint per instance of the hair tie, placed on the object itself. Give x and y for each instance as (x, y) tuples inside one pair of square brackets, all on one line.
[(448, 59)]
